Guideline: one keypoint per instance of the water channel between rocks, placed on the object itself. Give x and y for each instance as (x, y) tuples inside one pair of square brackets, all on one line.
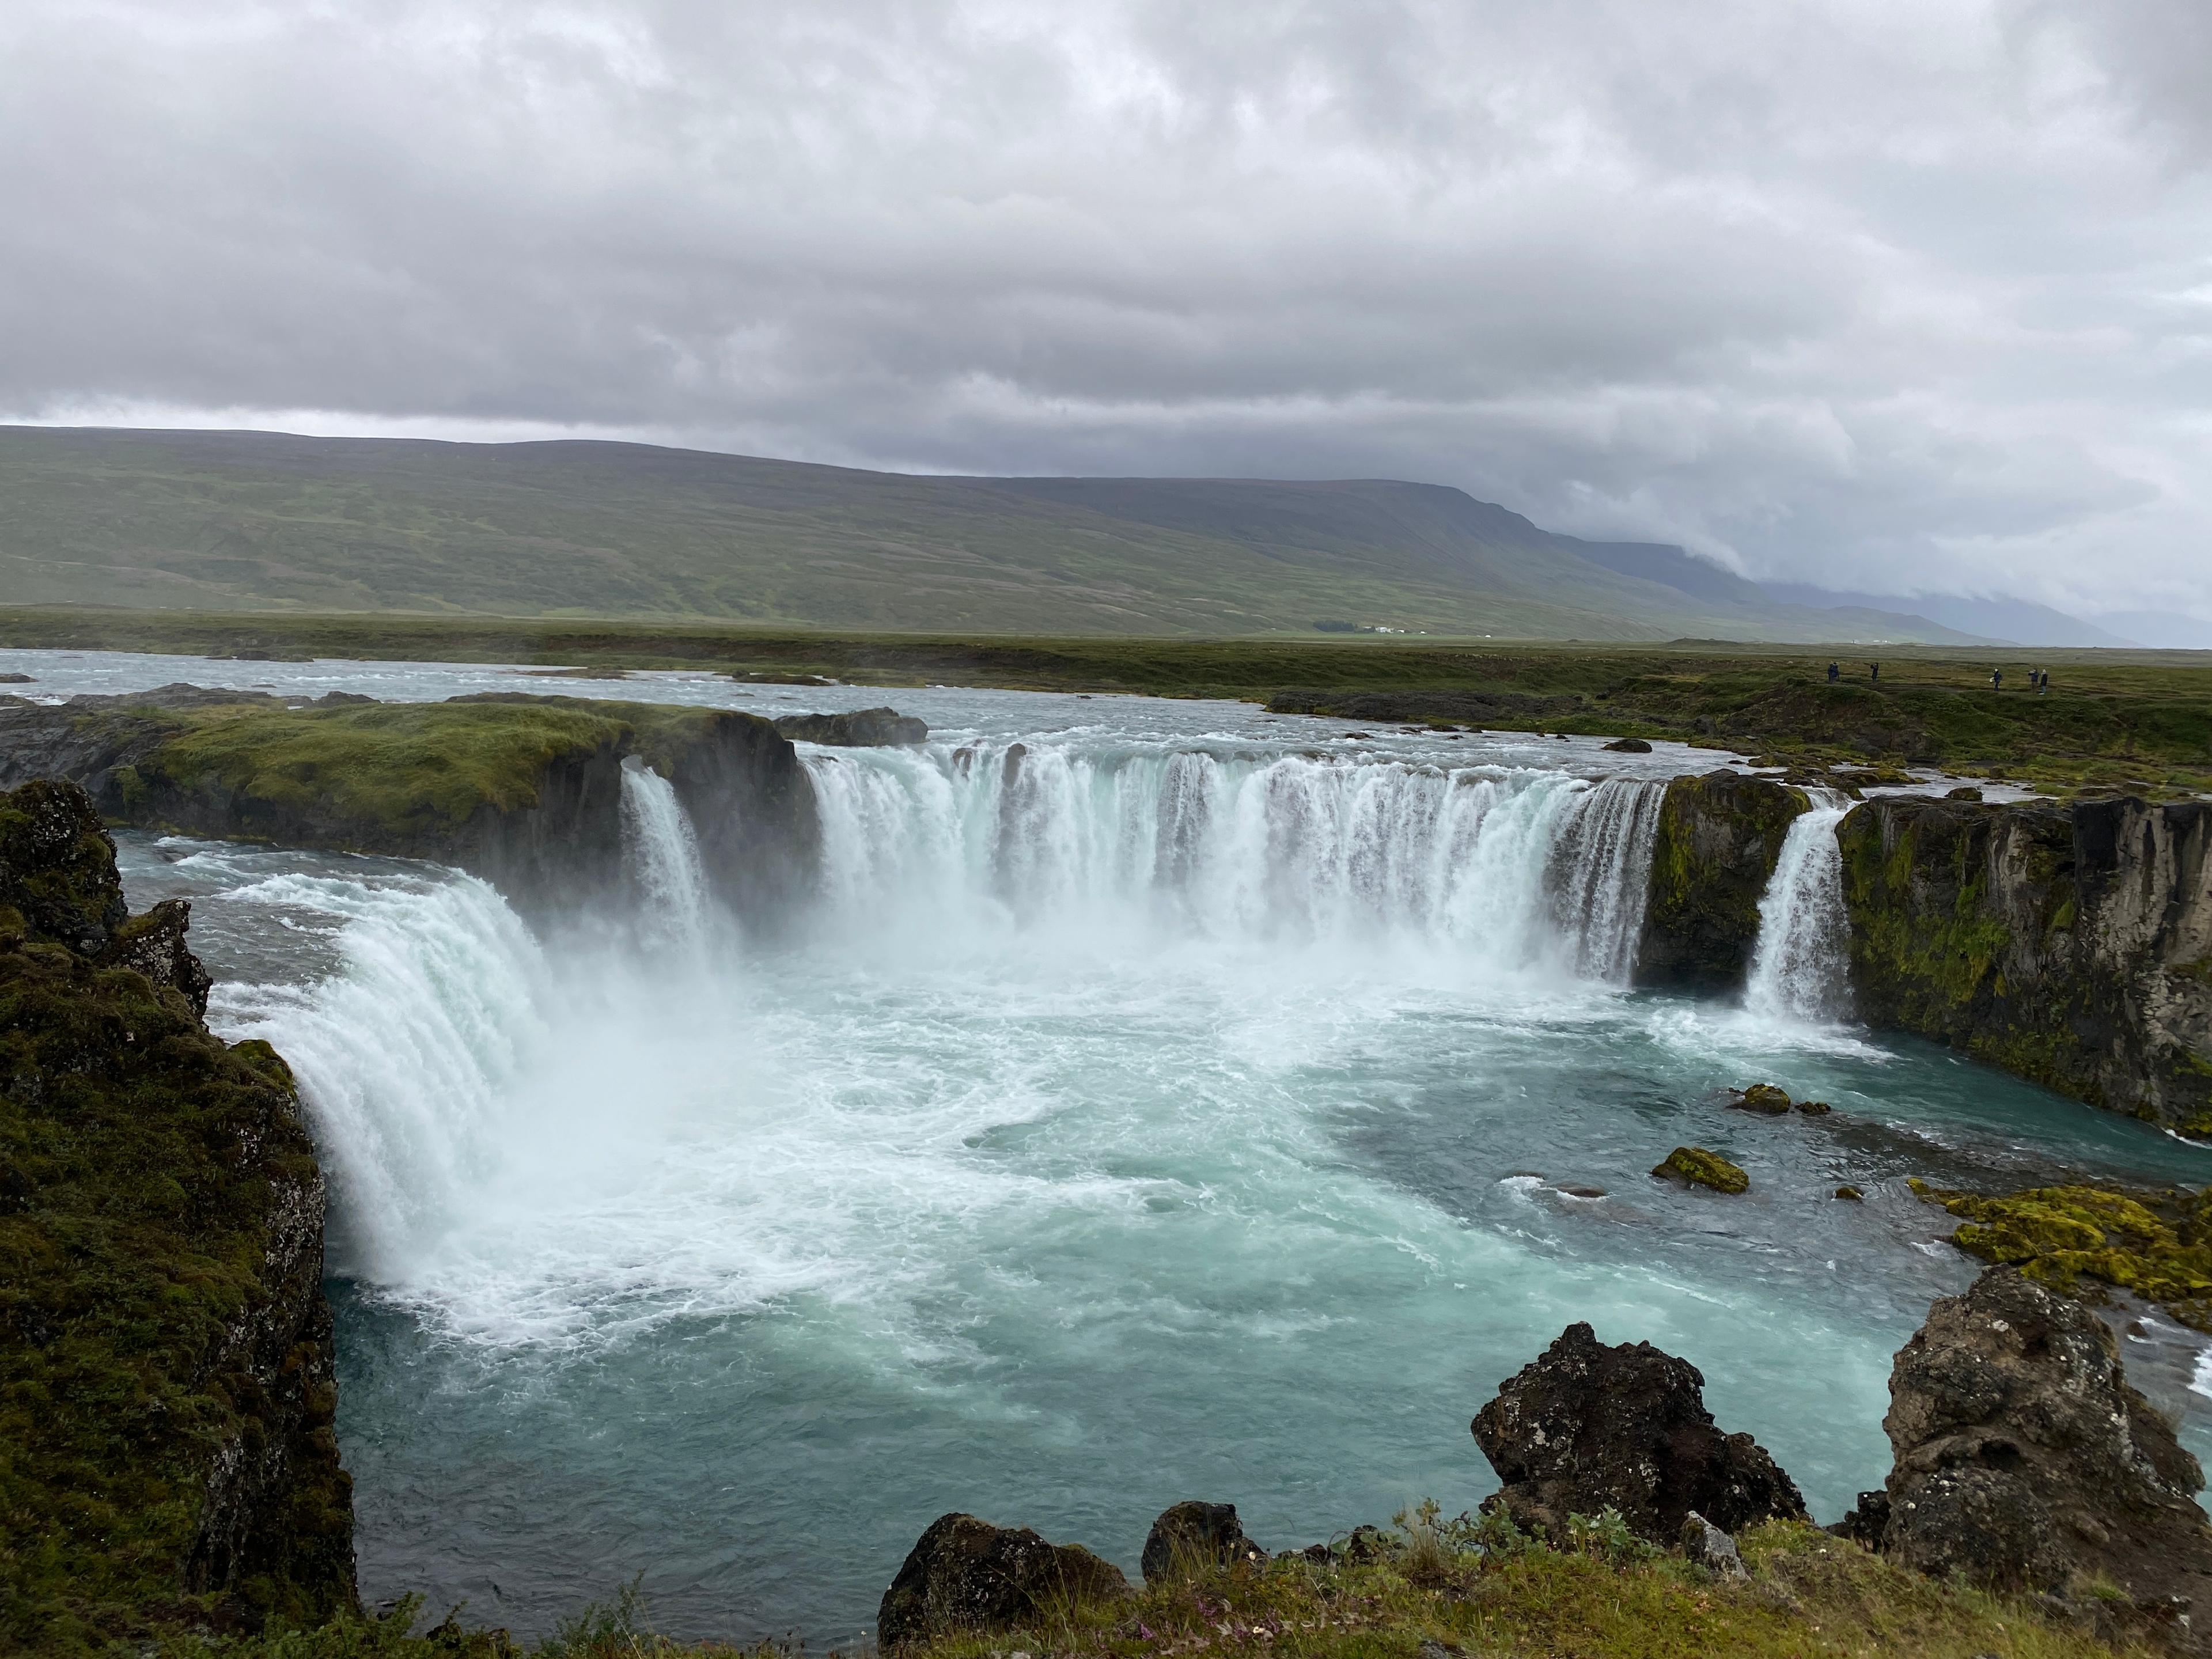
[(1182, 1106)]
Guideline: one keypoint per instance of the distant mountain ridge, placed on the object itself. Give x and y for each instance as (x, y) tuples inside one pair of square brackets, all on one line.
[(252, 520)]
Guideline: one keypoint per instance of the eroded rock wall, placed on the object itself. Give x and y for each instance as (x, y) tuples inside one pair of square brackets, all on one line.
[(1719, 838), (166, 1381), (2072, 947)]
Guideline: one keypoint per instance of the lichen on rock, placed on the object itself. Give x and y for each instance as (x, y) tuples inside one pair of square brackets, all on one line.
[(965, 1576)]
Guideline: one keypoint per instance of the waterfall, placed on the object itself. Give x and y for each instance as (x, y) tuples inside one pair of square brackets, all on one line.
[(404, 1054), (1797, 969), (662, 855), (1515, 865)]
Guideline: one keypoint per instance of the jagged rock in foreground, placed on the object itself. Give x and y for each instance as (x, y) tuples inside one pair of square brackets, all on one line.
[(166, 1391), (1586, 1426), (1194, 1536), (1720, 836), (2072, 947), (2024, 1459), (863, 728), (964, 1574)]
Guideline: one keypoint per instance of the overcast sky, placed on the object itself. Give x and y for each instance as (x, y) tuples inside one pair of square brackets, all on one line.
[(1895, 293)]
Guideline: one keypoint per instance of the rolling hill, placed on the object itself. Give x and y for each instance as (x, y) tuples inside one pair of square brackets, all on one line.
[(264, 521)]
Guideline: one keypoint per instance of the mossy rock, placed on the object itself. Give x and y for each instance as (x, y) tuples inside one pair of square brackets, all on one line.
[(1762, 1097), (2158, 1246), (1718, 840), (1704, 1169)]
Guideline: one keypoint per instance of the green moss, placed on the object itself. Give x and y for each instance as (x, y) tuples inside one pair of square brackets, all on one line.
[(1704, 1169), (2157, 1246), (401, 766)]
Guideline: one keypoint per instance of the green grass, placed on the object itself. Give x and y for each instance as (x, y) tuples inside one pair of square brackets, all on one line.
[(1808, 1596), (260, 521), (393, 772), (2134, 722)]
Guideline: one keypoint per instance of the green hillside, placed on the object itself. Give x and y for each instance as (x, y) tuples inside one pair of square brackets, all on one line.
[(246, 521)]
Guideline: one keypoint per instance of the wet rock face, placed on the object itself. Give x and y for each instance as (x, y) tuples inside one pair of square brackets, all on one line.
[(1191, 1536), (2025, 1459), (966, 1575), (154, 945), (865, 728), (1719, 838), (2072, 947), (1586, 1426)]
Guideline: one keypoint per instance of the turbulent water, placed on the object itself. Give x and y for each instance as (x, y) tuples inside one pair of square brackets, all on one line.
[(1164, 1102)]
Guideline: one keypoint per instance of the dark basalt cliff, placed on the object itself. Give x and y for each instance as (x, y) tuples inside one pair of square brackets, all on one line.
[(166, 1394), (1719, 838), (524, 790), (2070, 945)]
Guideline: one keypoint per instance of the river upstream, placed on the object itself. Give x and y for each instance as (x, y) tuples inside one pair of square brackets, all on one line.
[(1198, 1104)]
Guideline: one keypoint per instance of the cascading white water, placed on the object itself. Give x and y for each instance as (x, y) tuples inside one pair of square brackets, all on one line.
[(1797, 968), (662, 854), (1514, 865), (401, 1053)]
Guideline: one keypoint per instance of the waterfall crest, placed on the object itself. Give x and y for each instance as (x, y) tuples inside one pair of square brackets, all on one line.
[(1797, 968), (1514, 866)]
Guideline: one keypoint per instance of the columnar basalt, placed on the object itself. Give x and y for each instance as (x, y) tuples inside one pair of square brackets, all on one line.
[(167, 1385), (2072, 947)]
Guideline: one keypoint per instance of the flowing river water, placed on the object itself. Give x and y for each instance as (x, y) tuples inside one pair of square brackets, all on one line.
[(1164, 1100)]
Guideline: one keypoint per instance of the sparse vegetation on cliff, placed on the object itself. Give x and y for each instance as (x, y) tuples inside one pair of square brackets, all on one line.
[(167, 1456)]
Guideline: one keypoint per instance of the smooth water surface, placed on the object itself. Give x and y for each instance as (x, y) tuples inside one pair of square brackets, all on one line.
[(1188, 1105)]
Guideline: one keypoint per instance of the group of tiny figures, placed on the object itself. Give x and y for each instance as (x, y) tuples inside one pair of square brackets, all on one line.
[(2038, 679)]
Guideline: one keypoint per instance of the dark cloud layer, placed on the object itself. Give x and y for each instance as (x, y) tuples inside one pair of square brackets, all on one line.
[(1878, 294)]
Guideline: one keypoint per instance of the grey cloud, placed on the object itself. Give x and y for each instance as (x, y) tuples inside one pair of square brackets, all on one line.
[(1907, 297)]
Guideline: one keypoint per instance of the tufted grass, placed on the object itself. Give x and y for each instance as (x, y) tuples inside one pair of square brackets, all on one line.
[(1808, 1596)]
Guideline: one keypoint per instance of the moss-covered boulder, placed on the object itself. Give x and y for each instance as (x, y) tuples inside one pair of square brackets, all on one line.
[(167, 1392), (1719, 838), (2158, 1245), (1768, 1098), (2072, 947), (1701, 1168)]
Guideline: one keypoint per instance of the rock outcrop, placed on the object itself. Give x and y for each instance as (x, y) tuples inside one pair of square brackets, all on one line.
[(966, 1575), (1587, 1425), (863, 728), (1191, 1537), (1719, 838), (2072, 947), (524, 790), (2024, 1459), (167, 1389)]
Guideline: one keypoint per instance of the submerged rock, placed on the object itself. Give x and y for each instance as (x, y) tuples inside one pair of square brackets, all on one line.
[(2024, 1458), (1587, 1425), (863, 728), (1629, 746), (1703, 1169), (1761, 1097), (1193, 1536), (966, 1575)]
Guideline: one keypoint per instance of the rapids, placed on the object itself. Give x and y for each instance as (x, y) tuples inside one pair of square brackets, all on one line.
[(1164, 1101)]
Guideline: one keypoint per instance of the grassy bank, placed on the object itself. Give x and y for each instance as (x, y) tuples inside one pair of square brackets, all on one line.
[(1429, 1594), (2139, 721)]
